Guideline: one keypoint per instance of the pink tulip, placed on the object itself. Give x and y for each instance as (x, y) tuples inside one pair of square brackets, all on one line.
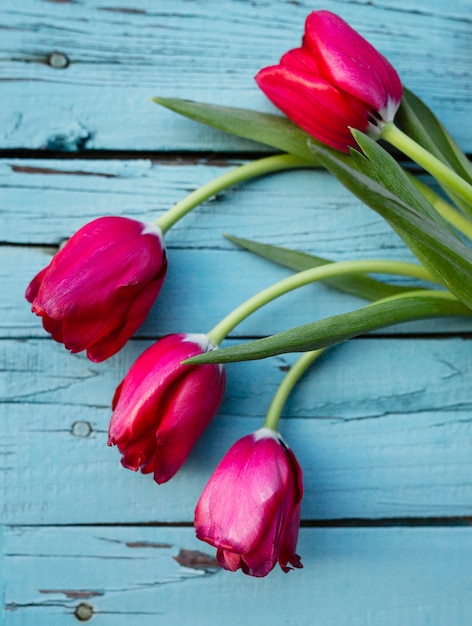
[(335, 81), (99, 288), (162, 407), (250, 508)]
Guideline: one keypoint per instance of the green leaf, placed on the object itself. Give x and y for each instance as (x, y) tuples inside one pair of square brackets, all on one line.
[(335, 329), (382, 168), (361, 285), (420, 123), (272, 130), (378, 180)]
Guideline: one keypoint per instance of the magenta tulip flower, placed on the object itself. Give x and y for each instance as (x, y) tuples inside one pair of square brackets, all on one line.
[(162, 407), (250, 508), (335, 81), (99, 288)]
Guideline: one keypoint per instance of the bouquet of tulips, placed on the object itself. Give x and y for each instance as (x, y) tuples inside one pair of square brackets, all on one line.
[(340, 96)]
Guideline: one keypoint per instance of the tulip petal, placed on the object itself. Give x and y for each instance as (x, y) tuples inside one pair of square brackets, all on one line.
[(300, 60), (54, 327), (161, 407), (256, 482), (334, 82), (128, 320), (314, 104), (139, 453), (228, 560), (100, 285), (176, 436), (263, 558), (349, 61), (148, 379), (35, 284), (250, 508)]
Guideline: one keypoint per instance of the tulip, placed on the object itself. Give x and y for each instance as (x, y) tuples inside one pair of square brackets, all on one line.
[(335, 81), (100, 286), (250, 508), (162, 407)]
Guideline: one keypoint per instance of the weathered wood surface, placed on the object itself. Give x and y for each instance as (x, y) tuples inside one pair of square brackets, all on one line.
[(117, 54), (381, 425), (358, 576), (394, 439), (48, 200)]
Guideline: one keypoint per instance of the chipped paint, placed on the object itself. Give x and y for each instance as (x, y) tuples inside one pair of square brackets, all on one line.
[(196, 560)]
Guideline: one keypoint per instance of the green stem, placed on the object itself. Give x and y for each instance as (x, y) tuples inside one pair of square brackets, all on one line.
[(259, 167), (445, 210), (289, 381), (366, 266), (426, 160), (423, 293)]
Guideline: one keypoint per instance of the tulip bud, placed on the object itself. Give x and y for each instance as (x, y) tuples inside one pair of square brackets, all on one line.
[(99, 287), (334, 82), (162, 407), (250, 508)]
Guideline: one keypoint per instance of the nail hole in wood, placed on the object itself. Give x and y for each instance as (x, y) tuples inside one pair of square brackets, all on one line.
[(83, 612), (58, 60), (81, 429)]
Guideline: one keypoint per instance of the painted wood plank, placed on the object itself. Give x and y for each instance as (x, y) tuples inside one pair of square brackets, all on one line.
[(45, 201), (201, 287), (113, 55), (361, 577), (381, 428)]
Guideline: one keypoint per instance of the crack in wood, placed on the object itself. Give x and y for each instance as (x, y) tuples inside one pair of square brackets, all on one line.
[(74, 594), (147, 544), (28, 169)]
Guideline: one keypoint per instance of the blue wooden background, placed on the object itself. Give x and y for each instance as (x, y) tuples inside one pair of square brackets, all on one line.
[(382, 425)]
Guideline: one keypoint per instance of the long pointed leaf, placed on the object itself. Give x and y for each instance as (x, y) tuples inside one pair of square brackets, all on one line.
[(409, 215), (335, 329), (272, 130), (420, 123), (361, 286)]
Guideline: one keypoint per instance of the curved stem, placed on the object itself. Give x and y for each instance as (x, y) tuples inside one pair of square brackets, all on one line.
[(244, 172), (426, 160), (419, 293), (289, 381), (368, 266), (445, 210)]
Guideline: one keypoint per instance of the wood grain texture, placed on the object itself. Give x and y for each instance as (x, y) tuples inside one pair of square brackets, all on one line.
[(119, 53), (381, 427), (187, 301), (48, 200), (361, 577)]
